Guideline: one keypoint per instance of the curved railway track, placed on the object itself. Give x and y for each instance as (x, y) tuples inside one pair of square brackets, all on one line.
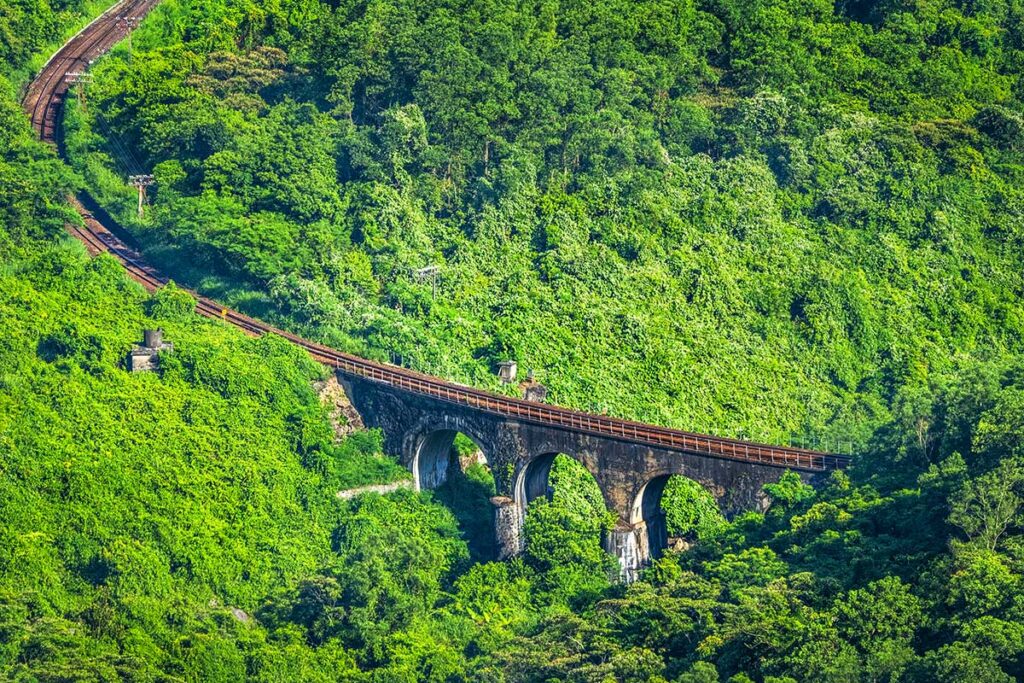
[(43, 105), (46, 92)]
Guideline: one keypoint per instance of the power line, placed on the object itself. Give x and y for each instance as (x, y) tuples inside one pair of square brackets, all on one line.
[(127, 159), (121, 153)]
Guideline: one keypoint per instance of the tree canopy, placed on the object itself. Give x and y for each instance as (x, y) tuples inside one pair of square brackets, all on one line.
[(769, 218)]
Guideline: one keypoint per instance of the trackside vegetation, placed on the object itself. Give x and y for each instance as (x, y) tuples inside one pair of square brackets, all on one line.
[(791, 219), (777, 219)]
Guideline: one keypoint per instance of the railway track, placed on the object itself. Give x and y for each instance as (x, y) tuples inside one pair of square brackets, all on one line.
[(46, 92), (43, 105)]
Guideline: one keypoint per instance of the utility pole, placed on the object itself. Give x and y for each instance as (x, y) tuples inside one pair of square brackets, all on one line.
[(429, 272), (141, 182), (128, 24), (81, 79)]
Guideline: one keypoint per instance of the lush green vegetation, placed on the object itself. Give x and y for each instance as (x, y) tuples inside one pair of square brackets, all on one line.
[(690, 509), (183, 525), (773, 216)]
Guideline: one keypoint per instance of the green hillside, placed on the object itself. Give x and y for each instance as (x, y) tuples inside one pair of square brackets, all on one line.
[(794, 219), (778, 219)]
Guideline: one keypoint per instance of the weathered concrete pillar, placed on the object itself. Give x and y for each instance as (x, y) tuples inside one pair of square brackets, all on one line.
[(643, 543), (507, 450), (628, 543), (508, 527)]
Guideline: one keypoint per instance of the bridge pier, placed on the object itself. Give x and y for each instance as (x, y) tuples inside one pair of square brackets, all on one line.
[(628, 544), (508, 527)]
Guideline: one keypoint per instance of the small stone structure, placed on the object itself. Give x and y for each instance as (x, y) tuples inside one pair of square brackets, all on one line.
[(532, 390), (146, 358), (507, 371)]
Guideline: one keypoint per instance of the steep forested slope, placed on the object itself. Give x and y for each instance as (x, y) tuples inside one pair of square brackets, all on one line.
[(184, 525), (772, 218), (857, 222)]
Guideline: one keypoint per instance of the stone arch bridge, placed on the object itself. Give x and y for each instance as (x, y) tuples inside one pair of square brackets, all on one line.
[(631, 462)]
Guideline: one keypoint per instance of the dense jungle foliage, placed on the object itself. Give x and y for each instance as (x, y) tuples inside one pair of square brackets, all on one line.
[(774, 216), (184, 525)]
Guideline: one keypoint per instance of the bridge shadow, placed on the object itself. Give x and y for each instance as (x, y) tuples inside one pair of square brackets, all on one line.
[(455, 469), (468, 495)]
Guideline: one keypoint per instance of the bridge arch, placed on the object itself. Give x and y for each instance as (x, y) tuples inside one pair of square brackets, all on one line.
[(434, 453), (455, 466), (533, 480), (648, 515)]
